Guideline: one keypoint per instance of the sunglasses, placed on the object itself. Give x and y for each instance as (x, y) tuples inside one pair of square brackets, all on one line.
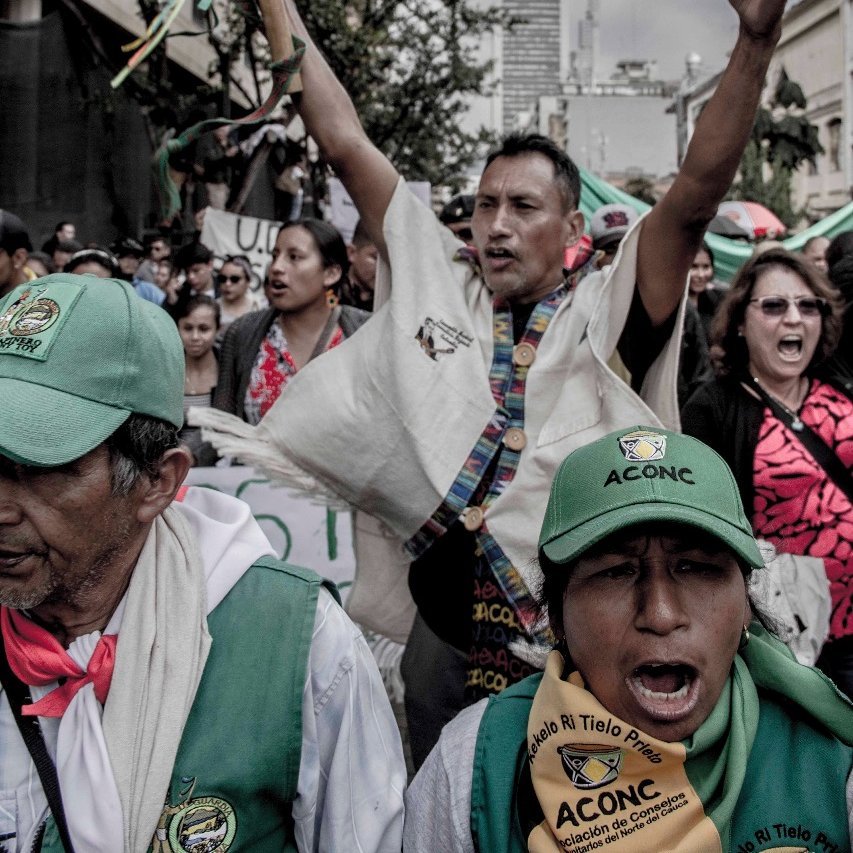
[(234, 279), (777, 306)]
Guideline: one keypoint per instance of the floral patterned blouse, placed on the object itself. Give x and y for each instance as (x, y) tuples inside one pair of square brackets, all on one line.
[(798, 507), (273, 369)]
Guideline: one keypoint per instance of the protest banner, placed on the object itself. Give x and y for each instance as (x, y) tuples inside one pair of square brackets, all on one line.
[(233, 234), (301, 532)]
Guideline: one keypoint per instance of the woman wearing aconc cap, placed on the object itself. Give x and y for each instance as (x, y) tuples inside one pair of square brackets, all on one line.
[(668, 717), (779, 414)]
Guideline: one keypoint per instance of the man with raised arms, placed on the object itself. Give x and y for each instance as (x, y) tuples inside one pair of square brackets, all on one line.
[(453, 446)]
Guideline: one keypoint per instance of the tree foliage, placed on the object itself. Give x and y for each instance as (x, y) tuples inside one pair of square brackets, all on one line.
[(782, 140), (410, 67)]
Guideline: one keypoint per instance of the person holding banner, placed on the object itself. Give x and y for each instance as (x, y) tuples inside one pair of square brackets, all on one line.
[(453, 446)]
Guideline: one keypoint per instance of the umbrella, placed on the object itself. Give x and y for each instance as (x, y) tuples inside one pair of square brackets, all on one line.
[(726, 227), (756, 219)]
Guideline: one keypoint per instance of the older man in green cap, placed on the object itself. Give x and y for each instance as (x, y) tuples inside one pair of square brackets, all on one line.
[(165, 679)]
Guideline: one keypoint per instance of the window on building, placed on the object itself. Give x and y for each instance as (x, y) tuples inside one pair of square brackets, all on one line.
[(834, 148)]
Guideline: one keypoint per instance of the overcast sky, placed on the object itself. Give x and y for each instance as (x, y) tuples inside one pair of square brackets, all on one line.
[(665, 30)]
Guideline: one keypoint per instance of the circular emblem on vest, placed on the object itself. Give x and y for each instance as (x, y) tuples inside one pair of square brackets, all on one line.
[(590, 765), (203, 825)]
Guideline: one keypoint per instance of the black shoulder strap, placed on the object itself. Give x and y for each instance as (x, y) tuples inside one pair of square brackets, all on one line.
[(18, 695), (823, 455), (327, 332)]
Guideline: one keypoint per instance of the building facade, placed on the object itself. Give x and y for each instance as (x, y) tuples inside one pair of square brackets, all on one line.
[(534, 55), (816, 52)]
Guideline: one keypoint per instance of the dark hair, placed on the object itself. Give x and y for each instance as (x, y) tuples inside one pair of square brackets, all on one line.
[(728, 347), (136, 447), (96, 255), (61, 225), (329, 242), (707, 250), (151, 239), (127, 247), (841, 276), (566, 173), (168, 261), (198, 300), (71, 246), (840, 245), (13, 233), (192, 253), (44, 259)]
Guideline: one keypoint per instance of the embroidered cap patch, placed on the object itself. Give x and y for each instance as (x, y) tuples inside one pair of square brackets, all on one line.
[(643, 446), (30, 324)]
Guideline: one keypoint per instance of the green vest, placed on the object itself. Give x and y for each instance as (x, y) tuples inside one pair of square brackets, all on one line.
[(237, 765), (785, 792)]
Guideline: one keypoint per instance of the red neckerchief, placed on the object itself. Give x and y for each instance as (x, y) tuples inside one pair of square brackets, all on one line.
[(37, 658)]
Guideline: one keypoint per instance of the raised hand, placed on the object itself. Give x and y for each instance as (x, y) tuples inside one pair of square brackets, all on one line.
[(759, 19)]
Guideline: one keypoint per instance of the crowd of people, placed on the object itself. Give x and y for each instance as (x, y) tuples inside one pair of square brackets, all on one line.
[(617, 491)]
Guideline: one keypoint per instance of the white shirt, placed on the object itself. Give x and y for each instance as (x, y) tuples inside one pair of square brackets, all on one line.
[(352, 772)]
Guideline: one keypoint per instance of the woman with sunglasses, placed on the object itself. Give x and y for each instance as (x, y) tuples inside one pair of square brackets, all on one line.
[(772, 339), (235, 297), (263, 350)]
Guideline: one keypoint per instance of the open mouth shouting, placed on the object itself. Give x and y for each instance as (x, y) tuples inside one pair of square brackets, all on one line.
[(499, 257), (790, 347), (666, 692)]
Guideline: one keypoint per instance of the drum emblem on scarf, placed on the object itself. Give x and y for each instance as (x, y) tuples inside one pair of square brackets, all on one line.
[(643, 446), (590, 765)]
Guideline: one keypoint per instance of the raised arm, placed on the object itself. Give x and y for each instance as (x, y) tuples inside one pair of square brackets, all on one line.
[(673, 231), (331, 119)]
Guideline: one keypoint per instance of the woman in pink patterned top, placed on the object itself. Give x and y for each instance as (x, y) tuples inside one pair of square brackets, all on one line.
[(772, 337), (262, 350)]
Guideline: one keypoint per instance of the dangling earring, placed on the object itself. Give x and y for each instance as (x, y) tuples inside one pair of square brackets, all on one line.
[(744, 639), (331, 297)]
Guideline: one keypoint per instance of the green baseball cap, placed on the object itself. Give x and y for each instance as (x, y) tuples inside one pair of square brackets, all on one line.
[(78, 355), (640, 475)]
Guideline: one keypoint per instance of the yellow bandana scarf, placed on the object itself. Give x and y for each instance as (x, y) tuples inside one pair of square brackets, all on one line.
[(599, 779), (761, 773)]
